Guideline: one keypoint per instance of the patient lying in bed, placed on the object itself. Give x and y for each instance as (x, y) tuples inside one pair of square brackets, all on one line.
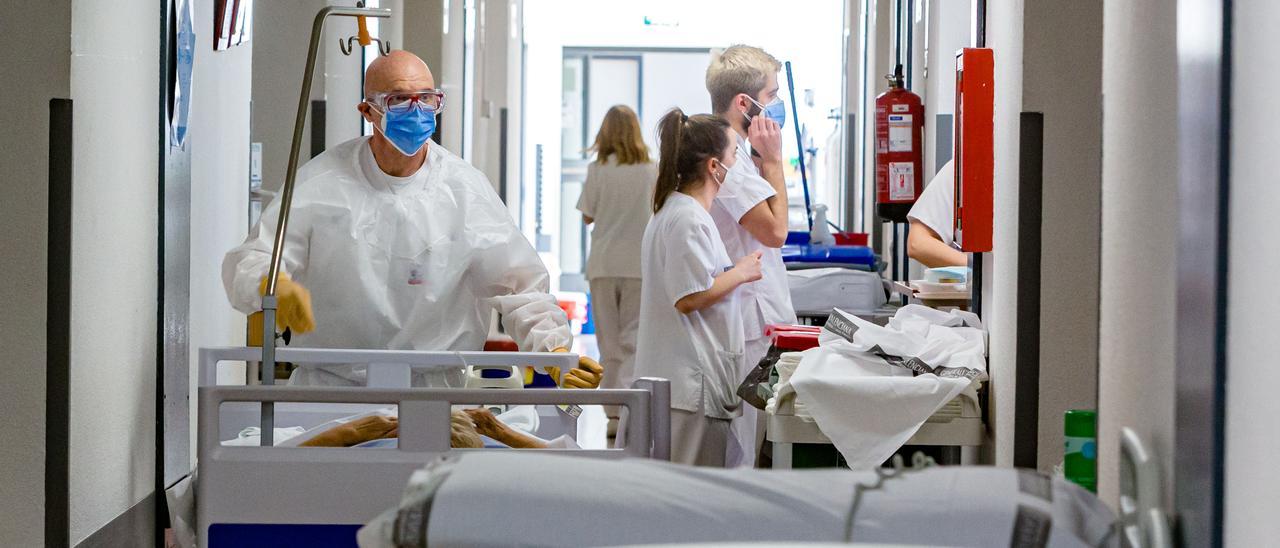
[(466, 428)]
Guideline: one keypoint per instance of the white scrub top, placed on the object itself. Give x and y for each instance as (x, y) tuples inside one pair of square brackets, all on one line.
[(620, 200), (768, 300), (400, 263), (700, 352), (937, 204)]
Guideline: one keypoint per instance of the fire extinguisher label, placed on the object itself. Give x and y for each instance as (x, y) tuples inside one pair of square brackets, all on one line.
[(901, 108), (899, 133), (902, 181)]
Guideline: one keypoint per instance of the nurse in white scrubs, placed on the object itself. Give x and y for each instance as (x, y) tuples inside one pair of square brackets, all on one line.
[(751, 208), (932, 218), (616, 198), (690, 311)]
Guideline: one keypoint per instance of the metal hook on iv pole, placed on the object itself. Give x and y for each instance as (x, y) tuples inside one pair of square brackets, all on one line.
[(363, 37), (268, 364)]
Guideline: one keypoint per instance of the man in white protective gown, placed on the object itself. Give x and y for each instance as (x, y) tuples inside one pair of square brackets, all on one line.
[(395, 243)]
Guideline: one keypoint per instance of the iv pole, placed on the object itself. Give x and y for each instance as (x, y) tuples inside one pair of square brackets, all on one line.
[(267, 371)]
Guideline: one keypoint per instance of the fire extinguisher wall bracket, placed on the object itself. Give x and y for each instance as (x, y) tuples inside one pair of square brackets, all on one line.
[(974, 149), (899, 150)]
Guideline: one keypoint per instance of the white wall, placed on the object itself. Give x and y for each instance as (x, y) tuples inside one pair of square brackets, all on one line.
[(1139, 234), (878, 51), (283, 30), (1000, 268), (219, 144), (1068, 90), (30, 80), (449, 74), (1252, 441), (113, 353), (659, 96), (340, 76), (949, 31)]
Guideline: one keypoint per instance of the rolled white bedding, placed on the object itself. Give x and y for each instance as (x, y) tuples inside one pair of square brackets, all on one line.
[(531, 499)]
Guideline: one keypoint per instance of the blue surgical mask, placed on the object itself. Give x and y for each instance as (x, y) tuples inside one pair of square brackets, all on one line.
[(408, 130), (775, 110)]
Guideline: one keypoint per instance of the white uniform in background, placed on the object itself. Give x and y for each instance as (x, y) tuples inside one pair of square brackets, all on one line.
[(937, 204), (700, 352), (619, 199), (400, 263), (766, 301)]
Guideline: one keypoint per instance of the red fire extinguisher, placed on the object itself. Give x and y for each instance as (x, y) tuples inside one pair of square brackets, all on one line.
[(899, 149)]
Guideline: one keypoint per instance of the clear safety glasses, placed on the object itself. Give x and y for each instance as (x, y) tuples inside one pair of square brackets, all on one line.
[(402, 101)]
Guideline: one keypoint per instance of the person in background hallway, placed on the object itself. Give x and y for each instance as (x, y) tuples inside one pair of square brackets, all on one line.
[(616, 198), (691, 308), (931, 240), (750, 210)]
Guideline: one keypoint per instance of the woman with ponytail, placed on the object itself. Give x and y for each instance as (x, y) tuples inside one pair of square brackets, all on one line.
[(690, 315)]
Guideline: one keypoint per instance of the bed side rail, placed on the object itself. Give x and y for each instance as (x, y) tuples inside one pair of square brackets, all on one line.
[(384, 363), (424, 414)]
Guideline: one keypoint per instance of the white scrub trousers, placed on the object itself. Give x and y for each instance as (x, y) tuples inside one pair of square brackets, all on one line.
[(697, 439), (615, 303), (747, 430)]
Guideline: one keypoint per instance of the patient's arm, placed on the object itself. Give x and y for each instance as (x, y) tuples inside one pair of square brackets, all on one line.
[(489, 425), (356, 432), (465, 429)]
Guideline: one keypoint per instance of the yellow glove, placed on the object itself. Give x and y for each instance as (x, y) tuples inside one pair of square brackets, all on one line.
[(587, 374), (293, 305)]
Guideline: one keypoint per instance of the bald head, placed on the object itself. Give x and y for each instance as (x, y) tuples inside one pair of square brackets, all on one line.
[(397, 71)]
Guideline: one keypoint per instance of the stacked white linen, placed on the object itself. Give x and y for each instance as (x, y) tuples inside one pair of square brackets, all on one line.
[(870, 388)]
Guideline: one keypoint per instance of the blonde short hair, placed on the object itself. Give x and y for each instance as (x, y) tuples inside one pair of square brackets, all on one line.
[(738, 69)]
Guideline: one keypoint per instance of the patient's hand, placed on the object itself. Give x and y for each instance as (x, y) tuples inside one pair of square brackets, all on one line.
[(489, 425)]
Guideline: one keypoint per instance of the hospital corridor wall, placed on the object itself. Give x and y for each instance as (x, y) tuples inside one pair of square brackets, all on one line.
[(1138, 294), (1059, 282), (114, 90), (1004, 34), (34, 154), (1252, 442), (1067, 91), (277, 77), (81, 211)]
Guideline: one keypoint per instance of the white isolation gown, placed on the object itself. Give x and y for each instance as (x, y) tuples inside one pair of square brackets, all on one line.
[(400, 263)]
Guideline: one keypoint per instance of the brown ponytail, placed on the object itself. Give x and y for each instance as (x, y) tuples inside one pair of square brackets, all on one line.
[(684, 143)]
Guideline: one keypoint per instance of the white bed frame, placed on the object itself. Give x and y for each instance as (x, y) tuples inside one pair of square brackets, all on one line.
[(276, 492)]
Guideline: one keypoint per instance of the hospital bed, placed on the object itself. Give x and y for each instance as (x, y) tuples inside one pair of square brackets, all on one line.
[(260, 495), (663, 504), (582, 502)]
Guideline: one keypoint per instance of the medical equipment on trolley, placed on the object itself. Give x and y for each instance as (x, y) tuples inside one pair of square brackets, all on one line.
[(815, 292), (245, 494)]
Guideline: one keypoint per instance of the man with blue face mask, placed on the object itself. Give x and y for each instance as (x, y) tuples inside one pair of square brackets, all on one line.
[(750, 210), (396, 243)]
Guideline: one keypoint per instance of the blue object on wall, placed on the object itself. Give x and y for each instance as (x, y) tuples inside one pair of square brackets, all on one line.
[(589, 326), (185, 47)]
